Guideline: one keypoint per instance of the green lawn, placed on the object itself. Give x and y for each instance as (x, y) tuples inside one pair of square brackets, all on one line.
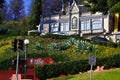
[(113, 74)]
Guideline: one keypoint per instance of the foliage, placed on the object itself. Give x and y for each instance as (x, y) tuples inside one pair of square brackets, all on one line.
[(34, 17), (109, 44), (59, 46), (97, 6), (54, 36), (116, 8), (35, 33), (17, 7), (1, 10), (57, 36), (15, 27), (57, 69), (55, 55), (103, 6), (63, 45), (73, 67), (53, 46), (64, 51), (114, 5), (93, 48), (3, 31), (6, 54), (38, 46), (81, 46), (51, 8), (71, 41)]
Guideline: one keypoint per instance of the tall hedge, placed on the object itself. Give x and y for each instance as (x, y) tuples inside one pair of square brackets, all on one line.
[(73, 67), (54, 70)]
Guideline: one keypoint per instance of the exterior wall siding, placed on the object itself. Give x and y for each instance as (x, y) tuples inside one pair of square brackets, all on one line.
[(106, 24)]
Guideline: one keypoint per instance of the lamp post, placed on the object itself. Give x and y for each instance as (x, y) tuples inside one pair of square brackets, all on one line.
[(26, 42)]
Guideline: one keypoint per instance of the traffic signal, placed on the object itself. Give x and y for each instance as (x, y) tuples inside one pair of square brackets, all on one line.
[(14, 45), (20, 44)]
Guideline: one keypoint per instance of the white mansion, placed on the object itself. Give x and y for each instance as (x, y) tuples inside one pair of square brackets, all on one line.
[(78, 20)]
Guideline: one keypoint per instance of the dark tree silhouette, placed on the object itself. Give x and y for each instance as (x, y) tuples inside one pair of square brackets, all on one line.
[(17, 7), (1, 10)]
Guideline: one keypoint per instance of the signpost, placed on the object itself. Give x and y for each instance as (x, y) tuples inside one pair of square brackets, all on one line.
[(92, 61)]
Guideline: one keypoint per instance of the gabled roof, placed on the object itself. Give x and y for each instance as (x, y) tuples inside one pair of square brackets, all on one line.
[(74, 5), (80, 8)]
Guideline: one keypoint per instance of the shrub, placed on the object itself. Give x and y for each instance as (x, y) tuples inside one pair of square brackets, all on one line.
[(81, 46), (71, 41), (110, 44), (111, 61), (35, 33), (3, 31), (38, 46), (54, 36), (53, 46), (72, 67), (63, 45), (54, 70)]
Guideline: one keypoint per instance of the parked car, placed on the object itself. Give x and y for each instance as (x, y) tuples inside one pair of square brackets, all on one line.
[(100, 39)]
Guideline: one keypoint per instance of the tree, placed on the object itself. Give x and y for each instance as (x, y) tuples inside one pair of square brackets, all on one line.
[(56, 6), (97, 6), (114, 6), (17, 7), (1, 10), (30, 7), (103, 6), (34, 18), (7, 13)]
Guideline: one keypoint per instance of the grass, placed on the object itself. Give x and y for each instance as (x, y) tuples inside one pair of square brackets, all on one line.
[(104, 75)]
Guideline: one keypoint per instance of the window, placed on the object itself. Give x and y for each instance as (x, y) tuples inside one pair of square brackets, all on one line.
[(97, 24), (64, 27), (85, 25), (74, 23), (54, 27)]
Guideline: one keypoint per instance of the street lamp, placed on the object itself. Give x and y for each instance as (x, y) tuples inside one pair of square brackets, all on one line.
[(26, 42)]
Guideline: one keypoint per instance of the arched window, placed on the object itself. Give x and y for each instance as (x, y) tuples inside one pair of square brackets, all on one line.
[(74, 23)]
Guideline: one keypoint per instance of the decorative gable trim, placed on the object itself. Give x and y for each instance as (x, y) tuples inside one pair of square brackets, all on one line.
[(74, 7)]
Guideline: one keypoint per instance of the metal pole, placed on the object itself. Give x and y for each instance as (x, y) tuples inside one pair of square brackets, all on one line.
[(17, 69), (91, 72), (25, 61)]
